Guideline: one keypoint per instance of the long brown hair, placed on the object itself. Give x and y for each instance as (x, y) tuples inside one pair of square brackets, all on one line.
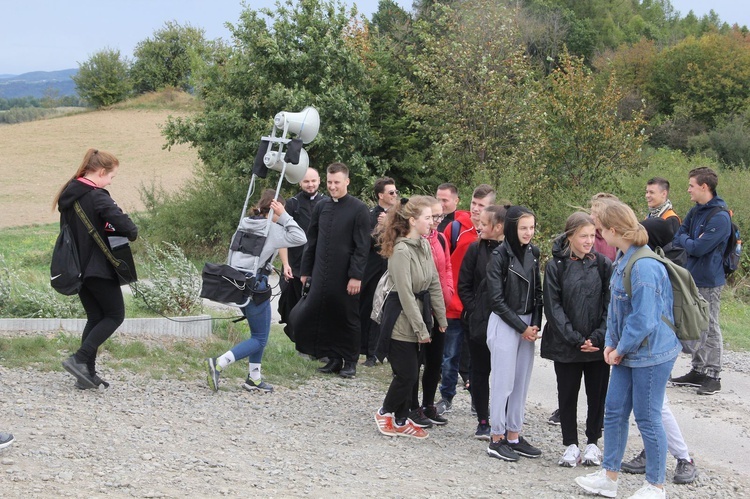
[(574, 222), (93, 161), (397, 221)]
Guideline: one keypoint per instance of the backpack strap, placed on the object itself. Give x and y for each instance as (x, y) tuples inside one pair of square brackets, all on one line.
[(455, 231), (443, 242), (644, 252)]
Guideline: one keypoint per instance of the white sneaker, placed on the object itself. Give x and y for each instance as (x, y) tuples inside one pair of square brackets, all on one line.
[(592, 456), (571, 457), (649, 491), (598, 483)]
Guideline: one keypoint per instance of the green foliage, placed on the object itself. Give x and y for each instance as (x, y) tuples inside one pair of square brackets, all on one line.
[(26, 294), (576, 145), (728, 142), (172, 285), (471, 89), (23, 114), (166, 59), (304, 57), (103, 79)]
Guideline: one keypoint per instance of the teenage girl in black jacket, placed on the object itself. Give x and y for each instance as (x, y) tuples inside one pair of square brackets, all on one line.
[(576, 297), (100, 295)]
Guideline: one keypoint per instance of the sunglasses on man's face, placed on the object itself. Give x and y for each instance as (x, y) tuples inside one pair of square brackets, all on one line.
[(392, 193)]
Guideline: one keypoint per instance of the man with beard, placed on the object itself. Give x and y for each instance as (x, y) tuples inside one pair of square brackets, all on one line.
[(326, 322), (300, 207)]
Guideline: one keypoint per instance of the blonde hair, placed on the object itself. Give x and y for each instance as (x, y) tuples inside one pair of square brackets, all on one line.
[(93, 161), (614, 214), (397, 221)]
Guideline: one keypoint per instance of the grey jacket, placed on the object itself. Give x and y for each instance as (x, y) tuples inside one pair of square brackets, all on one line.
[(284, 233)]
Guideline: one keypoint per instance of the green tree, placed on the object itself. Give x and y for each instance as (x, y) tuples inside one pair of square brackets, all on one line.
[(103, 79), (166, 60), (471, 90), (578, 143), (303, 53)]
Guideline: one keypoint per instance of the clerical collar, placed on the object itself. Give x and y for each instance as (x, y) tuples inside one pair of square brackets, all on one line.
[(336, 200)]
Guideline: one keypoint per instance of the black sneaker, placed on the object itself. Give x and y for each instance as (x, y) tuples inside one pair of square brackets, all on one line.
[(555, 418), (96, 379), (430, 413), (524, 448), (371, 361), (685, 471), (419, 419), (502, 450), (710, 386), (693, 378), (637, 465), (80, 371)]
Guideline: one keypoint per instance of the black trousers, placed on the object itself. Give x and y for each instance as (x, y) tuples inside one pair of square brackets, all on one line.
[(480, 378), (370, 329), (431, 355), (291, 293), (596, 380), (105, 311), (404, 359)]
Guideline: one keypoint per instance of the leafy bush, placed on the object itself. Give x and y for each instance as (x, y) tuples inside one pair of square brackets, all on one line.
[(103, 79), (173, 283), (22, 296)]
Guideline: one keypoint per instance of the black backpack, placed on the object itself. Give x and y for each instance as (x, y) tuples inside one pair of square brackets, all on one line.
[(733, 251), (65, 269)]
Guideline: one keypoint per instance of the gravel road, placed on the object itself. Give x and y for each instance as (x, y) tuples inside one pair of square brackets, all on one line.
[(170, 438)]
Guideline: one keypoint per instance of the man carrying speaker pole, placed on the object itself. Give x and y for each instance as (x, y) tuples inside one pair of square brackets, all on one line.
[(326, 322)]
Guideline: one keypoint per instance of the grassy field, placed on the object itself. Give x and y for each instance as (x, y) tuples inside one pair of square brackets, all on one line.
[(36, 158)]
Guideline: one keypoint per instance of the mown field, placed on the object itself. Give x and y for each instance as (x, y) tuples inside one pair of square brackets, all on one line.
[(37, 157)]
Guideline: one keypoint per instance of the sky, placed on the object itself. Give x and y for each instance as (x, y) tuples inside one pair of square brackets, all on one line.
[(50, 35)]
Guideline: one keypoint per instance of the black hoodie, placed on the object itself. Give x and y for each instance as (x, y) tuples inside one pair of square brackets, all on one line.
[(105, 216)]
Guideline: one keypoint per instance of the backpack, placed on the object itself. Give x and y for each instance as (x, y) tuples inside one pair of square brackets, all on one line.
[(733, 251), (690, 309), (455, 231), (384, 287), (65, 268)]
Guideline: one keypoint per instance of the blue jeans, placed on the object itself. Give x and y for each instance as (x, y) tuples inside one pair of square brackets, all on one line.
[(454, 336), (259, 320), (640, 390)]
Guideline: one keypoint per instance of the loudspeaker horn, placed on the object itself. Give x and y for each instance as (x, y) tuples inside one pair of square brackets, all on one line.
[(304, 124), (294, 173)]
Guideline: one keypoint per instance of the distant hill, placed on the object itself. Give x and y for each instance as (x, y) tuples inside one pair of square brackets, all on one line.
[(37, 83)]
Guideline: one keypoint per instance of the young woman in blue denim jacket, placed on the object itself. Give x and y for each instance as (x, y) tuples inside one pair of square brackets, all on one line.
[(640, 347)]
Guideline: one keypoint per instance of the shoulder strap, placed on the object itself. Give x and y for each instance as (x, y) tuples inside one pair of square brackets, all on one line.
[(643, 252), (443, 242), (95, 235), (455, 231)]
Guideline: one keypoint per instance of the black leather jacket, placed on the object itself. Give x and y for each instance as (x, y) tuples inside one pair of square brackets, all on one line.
[(514, 287), (576, 298)]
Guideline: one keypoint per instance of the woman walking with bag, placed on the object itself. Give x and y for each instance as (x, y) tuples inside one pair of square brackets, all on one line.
[(576, 297), (408, 311), (641, 348), (100, 293), (282, 233)]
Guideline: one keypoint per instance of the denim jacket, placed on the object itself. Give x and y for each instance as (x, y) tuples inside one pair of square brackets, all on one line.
[(634, 326)]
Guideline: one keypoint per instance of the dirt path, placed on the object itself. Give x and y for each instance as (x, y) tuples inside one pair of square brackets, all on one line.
[(36, 158)]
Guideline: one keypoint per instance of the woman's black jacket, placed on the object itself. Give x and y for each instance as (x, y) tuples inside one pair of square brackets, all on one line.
[(514, 287), (576, 297), (105, 216)]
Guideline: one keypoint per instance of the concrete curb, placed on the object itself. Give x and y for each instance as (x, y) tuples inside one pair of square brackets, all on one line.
[(199, 326)]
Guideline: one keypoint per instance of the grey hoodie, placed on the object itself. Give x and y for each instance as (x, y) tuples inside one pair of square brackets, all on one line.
[(284, 233)]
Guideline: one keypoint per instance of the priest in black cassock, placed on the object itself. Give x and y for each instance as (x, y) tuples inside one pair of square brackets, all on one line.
[(326, 322), (300, 208)]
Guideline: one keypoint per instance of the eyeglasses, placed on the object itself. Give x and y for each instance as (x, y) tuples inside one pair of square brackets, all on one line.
[(393, 193), (438, 218)]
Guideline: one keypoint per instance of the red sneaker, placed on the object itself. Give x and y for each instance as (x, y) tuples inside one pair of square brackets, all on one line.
[(409, 429), (385, 423)]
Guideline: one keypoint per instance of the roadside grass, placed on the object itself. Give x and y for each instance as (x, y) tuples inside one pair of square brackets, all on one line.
[(166, 358)]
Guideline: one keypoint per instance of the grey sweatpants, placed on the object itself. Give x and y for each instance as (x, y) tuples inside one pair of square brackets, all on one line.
[(707, 357), (512, 359)]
